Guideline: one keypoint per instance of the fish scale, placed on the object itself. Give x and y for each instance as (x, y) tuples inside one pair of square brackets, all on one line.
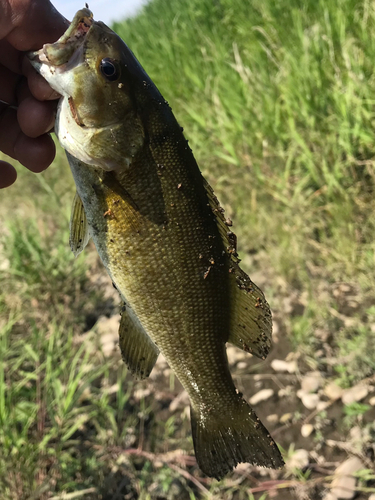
[(162, 236)]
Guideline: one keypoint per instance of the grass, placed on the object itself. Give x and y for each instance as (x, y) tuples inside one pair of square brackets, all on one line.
[(277, 99)]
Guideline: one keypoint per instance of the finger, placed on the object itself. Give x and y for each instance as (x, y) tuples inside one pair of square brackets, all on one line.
[(10, 57), (35, 154), (8, 174), (8, 84), (28, 24), (37, 84), (36, 118)]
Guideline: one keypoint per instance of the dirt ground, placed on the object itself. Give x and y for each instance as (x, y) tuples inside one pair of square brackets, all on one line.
[(301, 405)]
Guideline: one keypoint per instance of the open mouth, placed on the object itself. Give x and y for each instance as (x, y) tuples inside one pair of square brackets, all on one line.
[(61, 52)]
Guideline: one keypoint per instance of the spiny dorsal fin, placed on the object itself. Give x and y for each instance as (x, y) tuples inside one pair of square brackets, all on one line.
[(137, 349), (79, 229), (251, 319)]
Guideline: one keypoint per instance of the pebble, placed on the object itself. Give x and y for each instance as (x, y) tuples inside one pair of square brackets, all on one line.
[(262, 395), (179, 402), (107, 330), (279, 365), (343, 483), (372, 497), (333, 391), (286, 418), (311, 382), (354, 394), (372, 403), (298, 460), (242, 365), (235, 354), (141, 393), (4, 264), (355, 433), (273, 418), (105, 326), (306, 430), (109, 343), (329, 496), (286, 391), (309, 401)]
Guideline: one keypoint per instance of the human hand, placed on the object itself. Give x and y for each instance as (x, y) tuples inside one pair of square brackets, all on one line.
[(26, 25)]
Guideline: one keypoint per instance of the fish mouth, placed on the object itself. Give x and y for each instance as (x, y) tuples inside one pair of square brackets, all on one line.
[(67, 51)]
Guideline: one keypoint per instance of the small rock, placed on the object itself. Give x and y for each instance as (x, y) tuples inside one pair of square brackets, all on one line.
[(275, 328), (286, 391), (242, 365), (262, 395), (354, 394), (109, 343), (311, 382), (273, 418), (372, 497), (333, 391), (309, 401), (4, 264), (279, 365), (106, 325), (235, 354), (372, 403), (306, 430), (286, 418), (322, 405), (287, 305), (180, 401), (355, 433), (343, 484), (298, 460), (141, 393), (329, 496)]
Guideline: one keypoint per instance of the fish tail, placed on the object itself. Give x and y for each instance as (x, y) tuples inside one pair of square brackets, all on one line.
[(223, 440)]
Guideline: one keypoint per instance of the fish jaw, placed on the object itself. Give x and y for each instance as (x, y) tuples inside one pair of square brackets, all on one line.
[(55, 60), (96, 120)]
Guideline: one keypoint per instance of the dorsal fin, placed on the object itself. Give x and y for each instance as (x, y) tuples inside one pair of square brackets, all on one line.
[(223, 224), (79, 229), (251, 319)]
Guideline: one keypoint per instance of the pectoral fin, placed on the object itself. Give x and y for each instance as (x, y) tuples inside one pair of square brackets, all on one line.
[(79, 229), (251, 323), (138, 350)]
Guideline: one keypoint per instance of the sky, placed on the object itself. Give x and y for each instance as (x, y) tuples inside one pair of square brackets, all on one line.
[(103, 10)]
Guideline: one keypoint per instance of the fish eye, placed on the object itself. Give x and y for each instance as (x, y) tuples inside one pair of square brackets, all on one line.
[(110, 69)]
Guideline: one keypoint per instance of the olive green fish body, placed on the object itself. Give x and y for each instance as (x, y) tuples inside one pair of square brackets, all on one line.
[(162, 237), (163, 251)]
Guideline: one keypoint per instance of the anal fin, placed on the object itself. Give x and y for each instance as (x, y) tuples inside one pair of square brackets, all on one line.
[(137, 349), (79, 229), (251, 319)]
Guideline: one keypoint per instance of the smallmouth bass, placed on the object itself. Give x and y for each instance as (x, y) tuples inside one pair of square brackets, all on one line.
[(162, 236)]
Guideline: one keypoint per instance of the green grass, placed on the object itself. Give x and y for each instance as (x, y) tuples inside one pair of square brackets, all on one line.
[(277, 99)]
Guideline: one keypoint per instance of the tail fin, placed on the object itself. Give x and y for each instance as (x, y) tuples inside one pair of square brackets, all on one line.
[(221, 441)]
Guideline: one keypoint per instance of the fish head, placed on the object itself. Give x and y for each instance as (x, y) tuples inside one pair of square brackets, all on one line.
[(97, 119)]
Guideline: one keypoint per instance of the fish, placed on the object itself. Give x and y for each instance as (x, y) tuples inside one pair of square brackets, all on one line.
[(162, 236)]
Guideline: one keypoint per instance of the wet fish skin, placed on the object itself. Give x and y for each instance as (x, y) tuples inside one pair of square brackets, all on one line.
[(161, 235)]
